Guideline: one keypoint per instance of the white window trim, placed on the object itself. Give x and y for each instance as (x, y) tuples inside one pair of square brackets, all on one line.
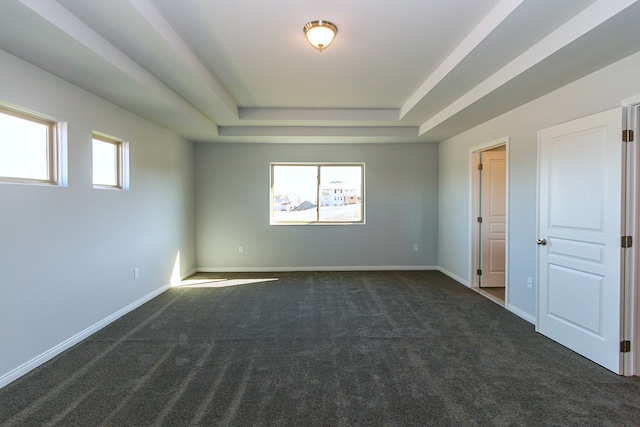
[(122, 172), (57, 163)]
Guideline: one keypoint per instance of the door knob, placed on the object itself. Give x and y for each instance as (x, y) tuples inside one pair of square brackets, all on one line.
[(541, 242)]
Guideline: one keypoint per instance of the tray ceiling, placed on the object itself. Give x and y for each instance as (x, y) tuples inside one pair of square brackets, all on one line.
[(242, 71)]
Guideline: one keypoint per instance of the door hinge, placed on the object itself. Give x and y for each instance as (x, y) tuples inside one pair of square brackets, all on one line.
[(627, 135), (479, 166), (627, 241), (625, 346), (479, 272), (480, 219)]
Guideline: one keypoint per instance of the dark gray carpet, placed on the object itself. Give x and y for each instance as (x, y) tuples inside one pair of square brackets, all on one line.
[(321, 349)]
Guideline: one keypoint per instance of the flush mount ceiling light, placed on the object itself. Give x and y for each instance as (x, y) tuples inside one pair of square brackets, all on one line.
[(320, 33)]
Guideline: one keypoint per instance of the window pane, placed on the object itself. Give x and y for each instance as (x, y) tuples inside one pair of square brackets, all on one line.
[(295, 193), (317, 193), (105, 163), (24, 148), (341, 196)]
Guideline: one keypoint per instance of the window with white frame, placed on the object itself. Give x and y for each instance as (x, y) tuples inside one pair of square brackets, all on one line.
[(29, 148), (109, 159), (317, 193)]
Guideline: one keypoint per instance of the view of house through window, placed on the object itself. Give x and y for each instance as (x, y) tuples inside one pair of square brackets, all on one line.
[(27, 148), (317, 193), (107, 154)]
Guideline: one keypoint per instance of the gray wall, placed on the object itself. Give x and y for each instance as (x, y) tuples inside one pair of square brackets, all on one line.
[(232, 193), (597, 92), (67, 254)]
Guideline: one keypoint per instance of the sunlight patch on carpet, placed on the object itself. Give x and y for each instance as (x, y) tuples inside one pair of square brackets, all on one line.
[(220, 283)]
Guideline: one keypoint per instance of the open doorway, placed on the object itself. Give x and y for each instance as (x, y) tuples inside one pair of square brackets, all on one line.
[(489, 180)]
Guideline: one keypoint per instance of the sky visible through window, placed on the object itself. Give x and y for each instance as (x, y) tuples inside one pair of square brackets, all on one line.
[(296, 180), (23, 148), (105, 163)]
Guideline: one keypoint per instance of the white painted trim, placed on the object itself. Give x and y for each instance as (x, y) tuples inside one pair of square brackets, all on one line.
[(454, 277), (630, 102), (473, 208), (491, 144), (631, 290), (522, 314), (30, 365), (536, 284), (316, 268), (507, 221)]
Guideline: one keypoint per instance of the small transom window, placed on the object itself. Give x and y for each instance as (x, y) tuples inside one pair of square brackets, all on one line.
[(109, 162), (28, 148)]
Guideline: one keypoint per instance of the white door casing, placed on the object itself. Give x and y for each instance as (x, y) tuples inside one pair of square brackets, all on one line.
[(579, 233), (493, 212), (631, 306)]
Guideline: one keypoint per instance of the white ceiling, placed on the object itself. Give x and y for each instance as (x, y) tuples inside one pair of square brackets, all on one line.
[(242, 71)]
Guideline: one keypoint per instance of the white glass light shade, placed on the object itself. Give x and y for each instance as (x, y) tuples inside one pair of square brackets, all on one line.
[(320, 33)]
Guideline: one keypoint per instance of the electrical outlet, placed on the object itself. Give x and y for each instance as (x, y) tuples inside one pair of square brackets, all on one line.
[(240, 249), (529, 282), (415, 248), (136, 273)]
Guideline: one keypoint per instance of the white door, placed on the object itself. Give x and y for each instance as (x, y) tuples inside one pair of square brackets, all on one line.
[(579, 234), (493, 191)]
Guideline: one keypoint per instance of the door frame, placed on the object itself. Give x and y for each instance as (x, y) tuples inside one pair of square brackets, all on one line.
[(630, 329), (474, 205)]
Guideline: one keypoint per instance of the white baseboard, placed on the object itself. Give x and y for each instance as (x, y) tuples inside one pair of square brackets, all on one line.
[(522, 314), (316, 268), (30, 365), (454, 276)]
